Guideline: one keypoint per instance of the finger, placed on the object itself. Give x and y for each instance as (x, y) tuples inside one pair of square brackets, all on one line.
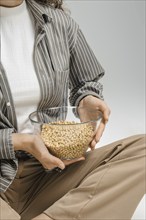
[(100, 131), (93, 144), (56, 162), (68, 162), (106, 113), (97, 135)]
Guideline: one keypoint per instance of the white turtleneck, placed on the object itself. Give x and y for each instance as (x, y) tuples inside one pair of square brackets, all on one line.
[(17, 42)]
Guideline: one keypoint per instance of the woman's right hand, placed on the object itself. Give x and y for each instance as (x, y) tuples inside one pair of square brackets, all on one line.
[(34, 145)]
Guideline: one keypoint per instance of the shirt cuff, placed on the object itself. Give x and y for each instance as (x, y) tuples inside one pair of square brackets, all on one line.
[(6, 145), (86, 94)]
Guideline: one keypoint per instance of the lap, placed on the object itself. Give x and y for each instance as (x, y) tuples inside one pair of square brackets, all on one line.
[(33, 185)]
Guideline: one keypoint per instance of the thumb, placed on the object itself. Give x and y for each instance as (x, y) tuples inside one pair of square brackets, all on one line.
[(58, 163)]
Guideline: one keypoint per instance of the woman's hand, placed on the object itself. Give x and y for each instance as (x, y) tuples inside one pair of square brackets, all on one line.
[(95, 103), (34, 145)]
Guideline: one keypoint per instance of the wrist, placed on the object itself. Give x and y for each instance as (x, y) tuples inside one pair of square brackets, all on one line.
[(22, 141), (84, 100)]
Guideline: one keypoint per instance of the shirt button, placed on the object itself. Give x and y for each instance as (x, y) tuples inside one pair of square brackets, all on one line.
[(8, 104)]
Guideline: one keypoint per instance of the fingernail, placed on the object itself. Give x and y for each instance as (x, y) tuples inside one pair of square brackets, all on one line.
[(83, 158), (62, 166), (79, 159)]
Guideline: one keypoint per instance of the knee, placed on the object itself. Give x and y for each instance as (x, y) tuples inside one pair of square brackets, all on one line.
[(137, 142), (141, 139)]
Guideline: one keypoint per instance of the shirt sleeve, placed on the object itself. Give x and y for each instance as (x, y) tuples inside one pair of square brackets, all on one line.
[(85, 70), (6, 146)]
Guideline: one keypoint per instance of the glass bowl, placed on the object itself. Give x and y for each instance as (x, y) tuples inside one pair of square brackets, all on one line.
[(66, 131)]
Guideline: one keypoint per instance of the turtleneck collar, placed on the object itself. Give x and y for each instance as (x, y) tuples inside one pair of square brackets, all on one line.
[(12, 11)]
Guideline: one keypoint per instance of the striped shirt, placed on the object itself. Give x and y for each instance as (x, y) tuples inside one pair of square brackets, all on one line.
[(63, 61)]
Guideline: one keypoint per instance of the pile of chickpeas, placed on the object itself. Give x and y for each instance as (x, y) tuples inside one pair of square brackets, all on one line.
[(67, 139)]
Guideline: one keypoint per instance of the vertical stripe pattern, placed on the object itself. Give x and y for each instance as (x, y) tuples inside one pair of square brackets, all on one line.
[(63, 60)]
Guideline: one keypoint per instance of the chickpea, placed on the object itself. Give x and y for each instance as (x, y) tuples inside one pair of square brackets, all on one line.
[(67, 139)]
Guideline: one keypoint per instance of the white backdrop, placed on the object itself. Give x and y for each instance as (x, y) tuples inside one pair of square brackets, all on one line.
[(115, 30)]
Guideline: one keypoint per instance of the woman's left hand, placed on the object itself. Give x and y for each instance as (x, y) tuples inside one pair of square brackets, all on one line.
[(96, 103)]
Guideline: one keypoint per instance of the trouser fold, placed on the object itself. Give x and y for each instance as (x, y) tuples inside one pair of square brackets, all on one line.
[(108, 185)]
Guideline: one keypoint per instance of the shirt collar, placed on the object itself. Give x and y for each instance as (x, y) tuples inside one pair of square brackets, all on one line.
[(40, 12)]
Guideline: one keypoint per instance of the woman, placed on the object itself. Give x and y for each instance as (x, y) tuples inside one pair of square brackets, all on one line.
[(43, 53)]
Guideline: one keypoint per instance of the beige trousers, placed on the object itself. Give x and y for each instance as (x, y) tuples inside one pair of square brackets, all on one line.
[(6, 212), (108, 185)]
